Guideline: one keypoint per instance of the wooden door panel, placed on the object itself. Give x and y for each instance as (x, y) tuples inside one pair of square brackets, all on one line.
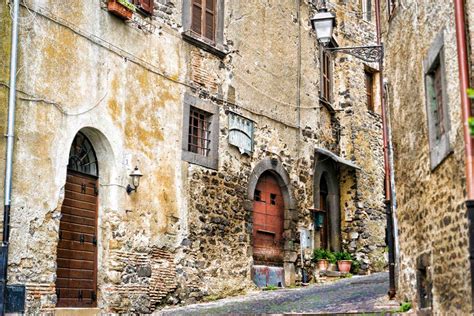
[(76, 283), (268, 222)]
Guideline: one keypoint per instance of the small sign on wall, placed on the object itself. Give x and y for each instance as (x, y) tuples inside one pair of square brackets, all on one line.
[(241, 133)]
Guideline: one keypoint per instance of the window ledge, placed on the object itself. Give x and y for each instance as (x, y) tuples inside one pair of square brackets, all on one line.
[(327, 105), (204, 44)]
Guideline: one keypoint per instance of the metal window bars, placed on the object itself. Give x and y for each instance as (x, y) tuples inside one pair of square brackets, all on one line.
[(199, 132)]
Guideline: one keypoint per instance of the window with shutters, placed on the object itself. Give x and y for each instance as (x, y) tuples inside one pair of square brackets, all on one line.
[(200, 132), (145, 6), (203, 22), (326, 77), (369, 90), (437, 102), (203, 18), (366, 6)]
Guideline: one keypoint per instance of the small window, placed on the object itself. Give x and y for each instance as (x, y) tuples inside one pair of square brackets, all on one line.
[(435, 95), (369, 88), (436, 99), (273, 199), (145, 6), (258, 195), (199, 132), (326, 77), (366, 10), (203, 18), (203, 23)]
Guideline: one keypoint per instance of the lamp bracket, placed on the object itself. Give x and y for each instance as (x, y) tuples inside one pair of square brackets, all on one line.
[(370, 54)]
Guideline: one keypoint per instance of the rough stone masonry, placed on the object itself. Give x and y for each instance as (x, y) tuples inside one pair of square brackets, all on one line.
[(130, 86)]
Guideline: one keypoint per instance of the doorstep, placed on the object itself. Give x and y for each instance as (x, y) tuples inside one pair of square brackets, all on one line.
[(76, 311)]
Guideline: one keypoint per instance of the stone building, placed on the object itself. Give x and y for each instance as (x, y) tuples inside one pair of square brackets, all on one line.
[(238, 130), (423, 96)]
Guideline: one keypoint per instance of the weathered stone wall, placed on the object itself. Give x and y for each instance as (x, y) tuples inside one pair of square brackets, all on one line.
[(431, 212), (187, 232)]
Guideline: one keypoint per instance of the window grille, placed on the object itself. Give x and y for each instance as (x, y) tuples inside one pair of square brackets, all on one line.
[(199, 132)]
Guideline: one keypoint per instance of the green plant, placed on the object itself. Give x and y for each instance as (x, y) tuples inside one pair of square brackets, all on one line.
[(127, 4), (405, 307), (320, 254), (348, 275), (355, 267), (270, 288), (331, 257), (343, 255)]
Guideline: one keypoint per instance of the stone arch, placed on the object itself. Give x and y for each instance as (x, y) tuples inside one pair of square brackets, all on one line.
[(275, 167), (109, 188), (325, 169)]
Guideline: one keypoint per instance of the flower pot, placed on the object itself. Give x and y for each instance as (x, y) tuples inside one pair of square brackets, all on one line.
[(323, 264), (118, 9), (344, 266)]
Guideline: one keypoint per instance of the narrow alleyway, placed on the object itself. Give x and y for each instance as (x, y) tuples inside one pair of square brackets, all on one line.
[(358, 294)]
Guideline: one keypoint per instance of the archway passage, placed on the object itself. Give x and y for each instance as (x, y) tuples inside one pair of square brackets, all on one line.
[(76, 283), (268, 216)]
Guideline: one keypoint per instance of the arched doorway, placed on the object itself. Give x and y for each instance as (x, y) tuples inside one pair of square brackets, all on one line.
[(268, 217), (76, 283)]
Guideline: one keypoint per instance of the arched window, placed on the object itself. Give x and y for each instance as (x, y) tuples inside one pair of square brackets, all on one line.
[(82, 157)]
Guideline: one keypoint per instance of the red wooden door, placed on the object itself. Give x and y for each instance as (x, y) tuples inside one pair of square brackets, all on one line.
[(76, 283), (268, 212)]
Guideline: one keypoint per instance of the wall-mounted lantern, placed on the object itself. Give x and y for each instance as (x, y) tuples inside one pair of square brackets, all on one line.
[(319, 217), (323, 23), (136, 175)]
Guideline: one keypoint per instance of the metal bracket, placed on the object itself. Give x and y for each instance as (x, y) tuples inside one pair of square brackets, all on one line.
[(370, 54)]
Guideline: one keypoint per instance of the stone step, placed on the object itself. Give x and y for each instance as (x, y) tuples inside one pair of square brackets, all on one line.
[(76, 311)]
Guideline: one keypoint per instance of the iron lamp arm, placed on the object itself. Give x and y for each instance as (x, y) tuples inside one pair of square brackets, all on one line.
[(370, 54)]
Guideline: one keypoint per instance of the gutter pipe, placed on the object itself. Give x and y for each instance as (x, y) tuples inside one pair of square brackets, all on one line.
[(460, 13), (388, 183), (9, 158)]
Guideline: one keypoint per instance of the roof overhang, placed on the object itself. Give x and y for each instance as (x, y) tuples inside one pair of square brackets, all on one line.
[(336, 158)]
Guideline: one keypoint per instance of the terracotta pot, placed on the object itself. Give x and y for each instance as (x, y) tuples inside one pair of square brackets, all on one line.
[(119, 10), (344, 266), (323, 264)]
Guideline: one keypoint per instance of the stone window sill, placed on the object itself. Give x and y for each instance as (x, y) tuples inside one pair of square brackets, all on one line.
[(204, 44), (327, 105)]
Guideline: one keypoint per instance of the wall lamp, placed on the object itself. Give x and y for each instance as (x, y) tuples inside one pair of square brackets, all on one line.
[(323, 23), (136, 175)]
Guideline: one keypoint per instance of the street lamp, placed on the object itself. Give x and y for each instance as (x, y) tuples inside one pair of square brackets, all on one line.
[(323, 24)]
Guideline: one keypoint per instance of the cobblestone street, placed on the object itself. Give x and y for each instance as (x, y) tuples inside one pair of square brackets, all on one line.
[(358, 294)]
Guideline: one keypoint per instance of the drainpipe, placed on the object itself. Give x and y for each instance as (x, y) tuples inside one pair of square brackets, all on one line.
[(388, 182), (9, 157), (459, 11)]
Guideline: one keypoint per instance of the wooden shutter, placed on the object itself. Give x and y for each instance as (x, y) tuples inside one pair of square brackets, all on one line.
[(196, 16), (147, 6), (209, 26)]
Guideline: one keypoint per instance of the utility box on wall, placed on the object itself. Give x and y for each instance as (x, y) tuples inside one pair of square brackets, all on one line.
[(306, 238)]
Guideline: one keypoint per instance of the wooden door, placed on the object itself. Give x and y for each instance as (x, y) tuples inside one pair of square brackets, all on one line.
[(268, 215), (324, 231), (76, 284)]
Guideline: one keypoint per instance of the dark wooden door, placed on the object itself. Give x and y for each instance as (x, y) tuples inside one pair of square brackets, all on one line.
[(268, 212), (325, 229), (76, 284)]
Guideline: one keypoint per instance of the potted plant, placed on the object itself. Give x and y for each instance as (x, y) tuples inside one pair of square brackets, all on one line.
[(323, 257), (121, 8), (344, 261)]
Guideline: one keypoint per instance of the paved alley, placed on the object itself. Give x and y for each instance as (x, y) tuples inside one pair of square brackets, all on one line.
[(357, 294)]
